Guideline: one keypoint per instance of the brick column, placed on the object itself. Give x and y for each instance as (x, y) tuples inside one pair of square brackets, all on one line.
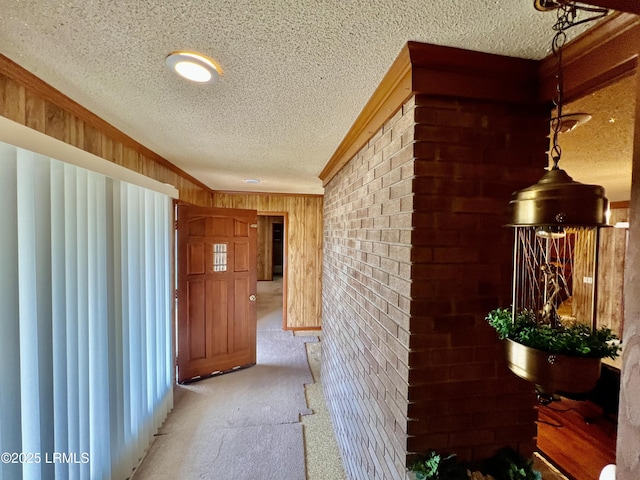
[(415, 254), (470, 155)]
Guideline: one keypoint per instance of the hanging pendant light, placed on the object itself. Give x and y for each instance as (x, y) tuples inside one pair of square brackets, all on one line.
[(557, 201), (552, 219)]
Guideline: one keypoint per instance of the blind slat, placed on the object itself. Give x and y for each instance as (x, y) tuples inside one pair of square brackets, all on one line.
[(85, 355)]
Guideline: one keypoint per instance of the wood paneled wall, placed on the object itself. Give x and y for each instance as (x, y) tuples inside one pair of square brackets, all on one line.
[(29, 101), (583, 276), (611, 255), (609, 281), (303, 249)]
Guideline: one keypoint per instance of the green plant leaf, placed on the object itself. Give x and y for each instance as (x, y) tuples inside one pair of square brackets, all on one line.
[(576, 340)]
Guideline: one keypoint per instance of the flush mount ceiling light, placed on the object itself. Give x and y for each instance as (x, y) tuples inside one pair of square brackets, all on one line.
[(251, 180), (557, 201), (194, 67)]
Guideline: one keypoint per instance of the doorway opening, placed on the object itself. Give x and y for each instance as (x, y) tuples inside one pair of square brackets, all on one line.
[(579, 435), (272, 263)]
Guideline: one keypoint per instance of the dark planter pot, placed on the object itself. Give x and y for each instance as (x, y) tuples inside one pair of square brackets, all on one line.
[(553, 373)]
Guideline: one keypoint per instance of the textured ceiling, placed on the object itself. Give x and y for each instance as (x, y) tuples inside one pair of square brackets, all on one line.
[(600, 151), (296, 72)]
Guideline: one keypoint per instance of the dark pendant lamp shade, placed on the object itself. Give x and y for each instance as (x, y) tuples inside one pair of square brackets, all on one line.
[(558, 201)]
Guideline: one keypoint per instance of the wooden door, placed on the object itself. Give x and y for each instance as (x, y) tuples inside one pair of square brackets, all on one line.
[(216, 290)]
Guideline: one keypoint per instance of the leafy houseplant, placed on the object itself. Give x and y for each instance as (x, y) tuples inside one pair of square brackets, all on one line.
[(573, 340), (558, 359), (506, 464), (434, 466)]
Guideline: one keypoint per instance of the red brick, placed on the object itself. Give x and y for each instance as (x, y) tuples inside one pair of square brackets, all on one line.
[(478, 205), (474, 405), (471, 437), (452, 356), (449, 423), (428, 340), (454, 255), (433, 272), (498, 418), (415, 255), (423, 443), (471, 371), (423, 375), (424, 409), (426, 235)]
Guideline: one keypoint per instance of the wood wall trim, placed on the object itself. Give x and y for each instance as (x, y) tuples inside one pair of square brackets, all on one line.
[(422, 68), (601, 56), (15, 72), (439, 70), (393, 91), (623, 204)]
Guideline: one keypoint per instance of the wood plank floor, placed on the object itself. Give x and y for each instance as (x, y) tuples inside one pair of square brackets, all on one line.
[(576, 438)]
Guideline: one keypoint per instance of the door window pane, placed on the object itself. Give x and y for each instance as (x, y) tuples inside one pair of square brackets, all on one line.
[(219, 257)]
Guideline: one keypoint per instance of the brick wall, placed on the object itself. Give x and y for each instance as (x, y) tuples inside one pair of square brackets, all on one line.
[(415, 254), (470, 156), (366, 301)]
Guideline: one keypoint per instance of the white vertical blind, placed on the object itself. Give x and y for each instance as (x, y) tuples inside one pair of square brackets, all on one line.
[(85, 348)]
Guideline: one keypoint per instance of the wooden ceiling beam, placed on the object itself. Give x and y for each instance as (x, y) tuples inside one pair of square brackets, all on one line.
[(629, 6), (599, 57)]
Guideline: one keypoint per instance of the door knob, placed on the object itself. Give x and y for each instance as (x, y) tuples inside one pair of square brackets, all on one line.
[(252, 298)]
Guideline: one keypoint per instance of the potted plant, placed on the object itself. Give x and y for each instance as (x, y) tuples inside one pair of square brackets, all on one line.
[(435, 466), (505, 464), (562, 358)]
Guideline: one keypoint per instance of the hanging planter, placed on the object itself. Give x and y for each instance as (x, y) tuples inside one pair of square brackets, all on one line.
[(558, 360), (552, 372)]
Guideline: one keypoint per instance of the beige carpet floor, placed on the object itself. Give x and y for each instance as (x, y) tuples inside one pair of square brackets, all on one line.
[(250, 424)]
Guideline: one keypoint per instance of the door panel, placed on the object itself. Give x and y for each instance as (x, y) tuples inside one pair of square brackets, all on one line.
[(196, 258), (197, 320), (242, 257), (216, 281)]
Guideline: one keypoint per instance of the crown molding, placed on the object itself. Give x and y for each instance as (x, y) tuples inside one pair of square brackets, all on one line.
[(422, 68)]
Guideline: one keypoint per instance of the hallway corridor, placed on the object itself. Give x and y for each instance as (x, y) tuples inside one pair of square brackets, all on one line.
[(248, 424)]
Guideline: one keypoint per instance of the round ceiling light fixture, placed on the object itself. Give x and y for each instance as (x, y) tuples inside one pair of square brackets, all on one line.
[(251, 180), (194, 67)]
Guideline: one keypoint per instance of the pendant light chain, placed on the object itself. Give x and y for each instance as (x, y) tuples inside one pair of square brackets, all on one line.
[(565, 14), (566, 18)]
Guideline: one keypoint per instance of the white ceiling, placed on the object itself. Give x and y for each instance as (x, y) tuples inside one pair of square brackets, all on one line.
[(296, 72)]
